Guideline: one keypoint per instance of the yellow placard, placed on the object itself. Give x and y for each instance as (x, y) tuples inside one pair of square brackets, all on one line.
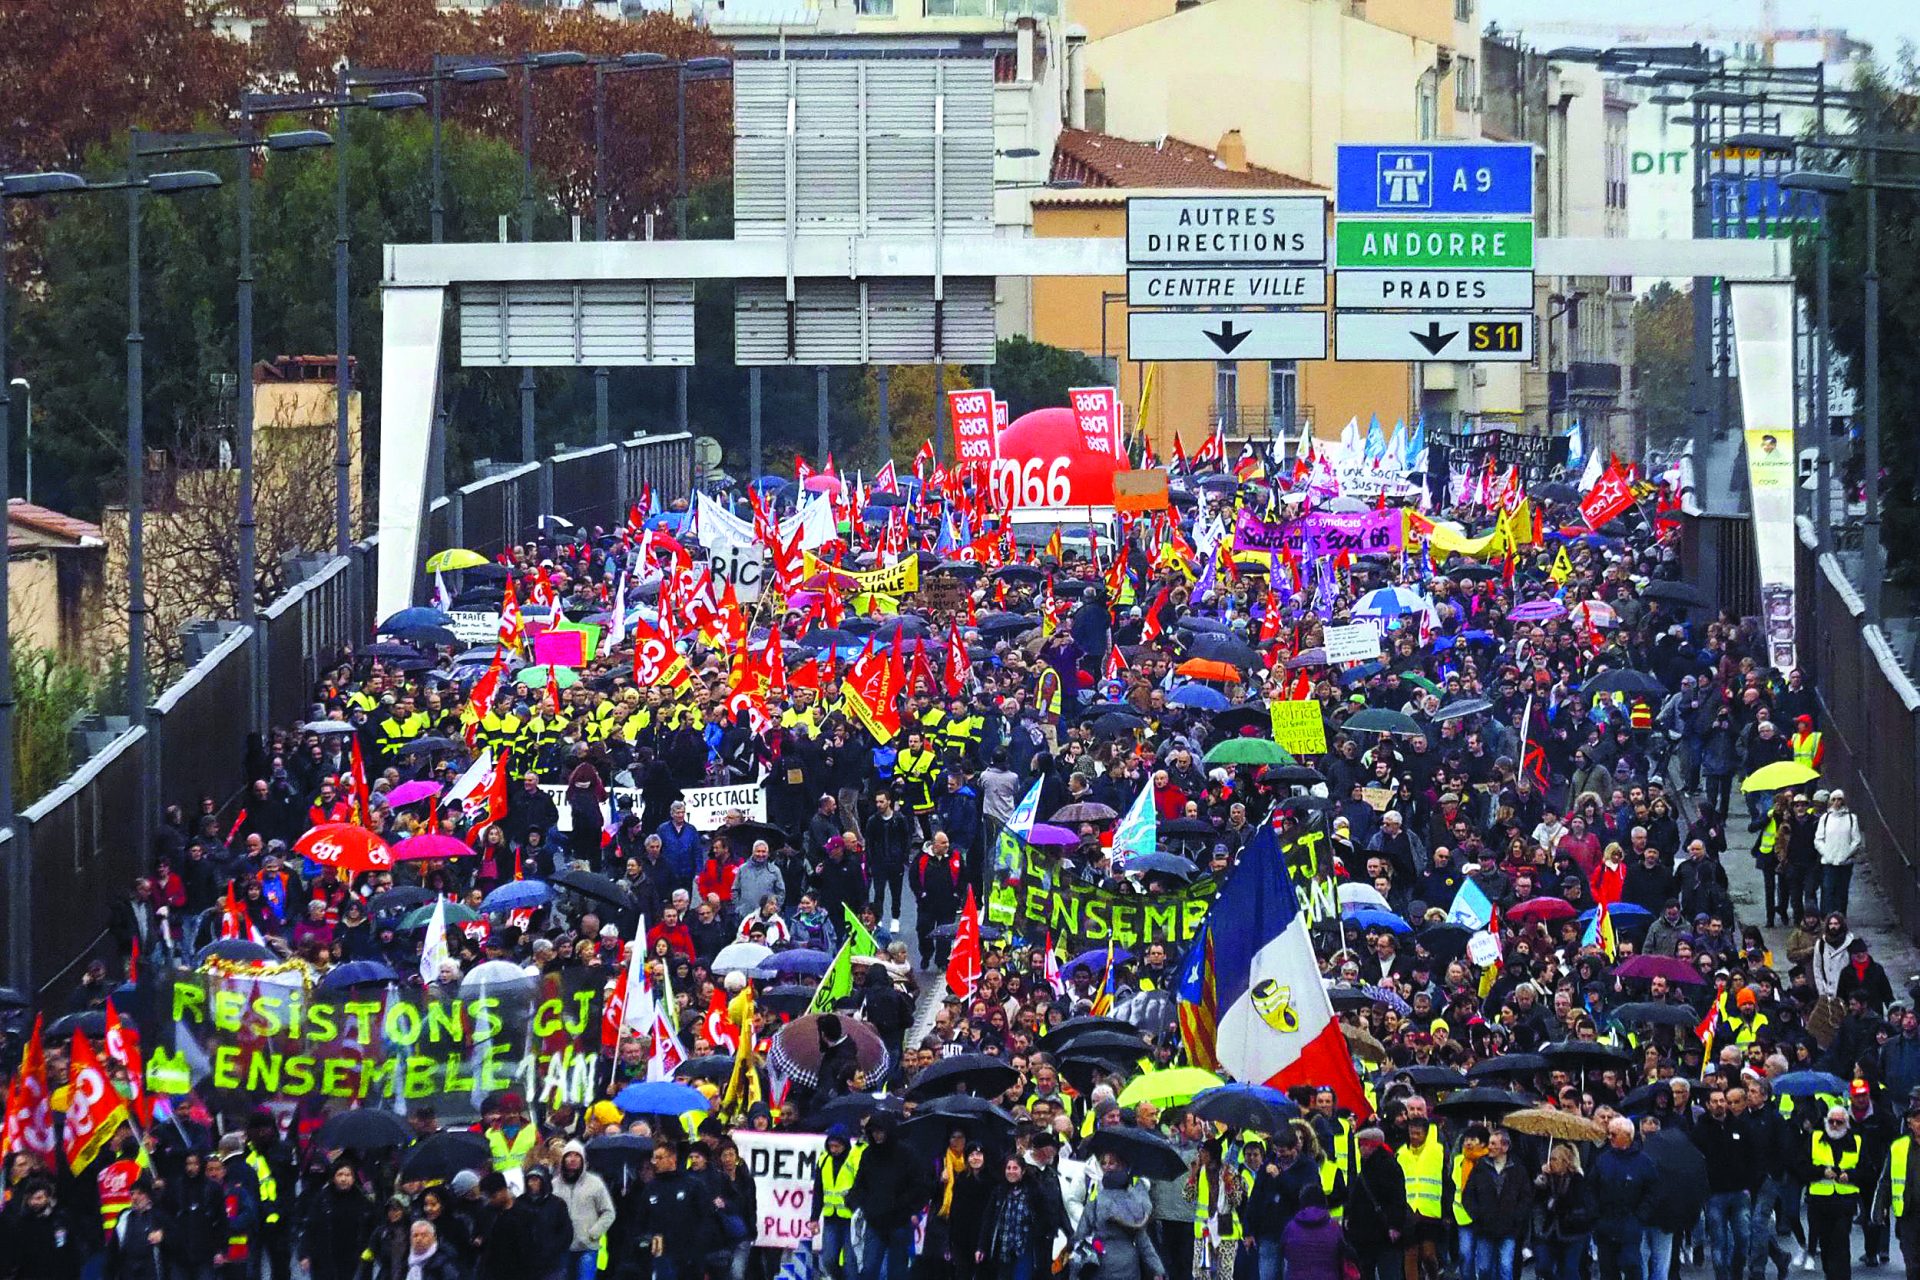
[(1298, 726), (894, 580)]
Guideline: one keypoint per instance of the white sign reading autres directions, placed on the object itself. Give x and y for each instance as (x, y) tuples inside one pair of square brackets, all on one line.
[(1226, 335)]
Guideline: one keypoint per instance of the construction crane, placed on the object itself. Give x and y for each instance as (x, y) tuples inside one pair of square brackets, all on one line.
[(1835, 44)]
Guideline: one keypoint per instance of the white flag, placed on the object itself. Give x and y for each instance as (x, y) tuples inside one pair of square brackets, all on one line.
[(434, 952), (667, 1054), (617, 624), (638, 1013), (469, 783)]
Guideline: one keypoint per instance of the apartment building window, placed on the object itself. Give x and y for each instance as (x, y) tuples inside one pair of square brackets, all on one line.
[(874, 8), (1226, 394), (1463, 10), (1465, 84), (1283, 395), (1426, 105)]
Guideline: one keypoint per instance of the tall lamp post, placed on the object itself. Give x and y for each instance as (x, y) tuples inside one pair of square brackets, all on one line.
[(26, 389), (246, 142), (29, 186)]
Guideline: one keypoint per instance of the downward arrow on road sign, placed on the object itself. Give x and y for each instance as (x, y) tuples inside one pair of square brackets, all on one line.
[(1227, 337), (1433, 340)]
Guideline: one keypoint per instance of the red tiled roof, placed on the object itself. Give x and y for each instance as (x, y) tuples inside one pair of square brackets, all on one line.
[(48, 521), (1102, 160)]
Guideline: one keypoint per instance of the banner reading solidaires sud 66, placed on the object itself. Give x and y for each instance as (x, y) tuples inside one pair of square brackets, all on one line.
[(253, 1039)]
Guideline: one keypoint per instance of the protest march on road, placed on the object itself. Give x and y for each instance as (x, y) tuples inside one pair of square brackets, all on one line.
[(1318, 867)]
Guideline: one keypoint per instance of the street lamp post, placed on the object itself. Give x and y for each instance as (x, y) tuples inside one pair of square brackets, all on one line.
[(641, 61), (26, 389), (246, 577)]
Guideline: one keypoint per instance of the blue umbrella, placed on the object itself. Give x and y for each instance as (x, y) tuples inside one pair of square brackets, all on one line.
[(1244, 1106), (1198, 696), (418, 616), (1365, 671), (1096, 959), (1619, 911), (671, 521), (1807, 1084), (515, 894), (1374, 918), (358, 973), (660, 1098), (801, 960), (765, 483)]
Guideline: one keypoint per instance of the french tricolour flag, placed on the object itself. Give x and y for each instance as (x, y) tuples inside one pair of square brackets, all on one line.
[(1251, 999)]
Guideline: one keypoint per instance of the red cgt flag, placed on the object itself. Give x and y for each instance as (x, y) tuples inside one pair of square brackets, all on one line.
[(964, 964), (94, 1107)]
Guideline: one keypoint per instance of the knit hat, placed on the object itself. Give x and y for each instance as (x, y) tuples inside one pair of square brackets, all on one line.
[(464, 1182)]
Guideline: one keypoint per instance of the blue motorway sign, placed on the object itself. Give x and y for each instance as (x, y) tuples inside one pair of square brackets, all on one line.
[(1467, 179)]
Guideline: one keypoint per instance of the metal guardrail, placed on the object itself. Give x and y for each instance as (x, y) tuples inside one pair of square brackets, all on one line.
[(80, 847)]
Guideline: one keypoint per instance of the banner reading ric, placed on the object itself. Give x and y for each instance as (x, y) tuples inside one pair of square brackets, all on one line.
[(252, 1039)]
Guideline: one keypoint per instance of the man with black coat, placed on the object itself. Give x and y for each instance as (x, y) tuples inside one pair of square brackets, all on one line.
[(675, 1224), (888, 1008), (197, 1205), (337, 1221), (39, 1240), (1279, 1182), (1043, 1171), (1377, 1212), (1498, 1198), (140, 1246), (891, 1189), (553, 1224), (889, 835), (1734, 1170), (511, 1250)]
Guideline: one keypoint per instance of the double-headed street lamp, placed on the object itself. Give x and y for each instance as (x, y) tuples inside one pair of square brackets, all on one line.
[(246, 142), (27, 186), (686, 71), (340, 104)]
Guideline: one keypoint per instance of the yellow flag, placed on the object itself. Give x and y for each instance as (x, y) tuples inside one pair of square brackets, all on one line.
[(1562, 567)]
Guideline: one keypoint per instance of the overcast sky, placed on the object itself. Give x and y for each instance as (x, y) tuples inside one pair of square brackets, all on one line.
[(1882, 22)]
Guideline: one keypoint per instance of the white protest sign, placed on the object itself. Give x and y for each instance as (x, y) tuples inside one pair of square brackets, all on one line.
[(707, 806), (1483, 949), (617, 797), (782, 1165), (744, 564), (1355, 642), (474, 626)]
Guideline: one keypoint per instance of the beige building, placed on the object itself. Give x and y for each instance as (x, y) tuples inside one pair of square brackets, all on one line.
[(56, 566)]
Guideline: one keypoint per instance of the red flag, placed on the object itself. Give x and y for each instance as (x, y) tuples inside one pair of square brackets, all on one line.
[(718, 1026), (1115, 666), (958, 673), (553, 688), (362, 795), (29, 1125), (492, 795), (513, 634), (123, 1046), (964, 964), (1611, 494), (1152, 626), (94, 1107)]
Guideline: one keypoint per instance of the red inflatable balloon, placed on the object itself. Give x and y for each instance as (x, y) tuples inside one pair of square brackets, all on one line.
[(1045, 462)]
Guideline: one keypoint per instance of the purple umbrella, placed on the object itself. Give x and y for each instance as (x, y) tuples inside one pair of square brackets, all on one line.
[(412, 793), (1047, 833), (1539, 611), (1667, 967)]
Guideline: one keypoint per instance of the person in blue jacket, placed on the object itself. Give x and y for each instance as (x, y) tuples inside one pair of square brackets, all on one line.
[(1624, 1183)]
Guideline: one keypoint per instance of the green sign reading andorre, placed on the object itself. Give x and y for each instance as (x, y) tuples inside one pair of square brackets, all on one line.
[(1459, 243)]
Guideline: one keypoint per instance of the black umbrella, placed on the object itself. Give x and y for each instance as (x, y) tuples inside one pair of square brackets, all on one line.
[(1381, 720), (437, 636), (444, 1154), (1295, 775), (387, 649), (1683, 1181), (1474, 572), (742, 835), (1019, 572), (1479, 1102), (91, 1021), (715, 1067), (362, 1128), (927, 1134), (1673, 593), (1225, 649), (590, 885), (234, 949), (1427, 1078), (1506, 1065), (1115, 723), (978, 1073), (965, 1104), (1006, 623), (487, 573), (400, 901), (619, 1157), (419, 745), (1084, 1070), (1583, 1054), (1345, 997), (1118, 1046), (1188, 827), (1058, 1039), (1657, 1012), (988, 932), (1557, 492), (850, 1109), (1446, 940), (1241, 1106), (1623, 681), (789, 998), (1243, 715), (1146, 1154)]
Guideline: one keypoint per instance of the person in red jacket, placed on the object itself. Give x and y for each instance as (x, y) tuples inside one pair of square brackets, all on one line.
[(672, 932)]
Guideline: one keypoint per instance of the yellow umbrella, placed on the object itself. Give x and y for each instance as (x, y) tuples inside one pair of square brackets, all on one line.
[(454, 558), (1170, 1088), (1781, 773)]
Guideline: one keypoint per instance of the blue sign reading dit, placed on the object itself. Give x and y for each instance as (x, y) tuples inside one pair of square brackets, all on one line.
[(1465, 179)]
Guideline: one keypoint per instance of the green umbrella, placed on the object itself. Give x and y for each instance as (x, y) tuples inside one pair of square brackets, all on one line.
[(1249, 751), (536, 677), (421, 917), (1422, 681)]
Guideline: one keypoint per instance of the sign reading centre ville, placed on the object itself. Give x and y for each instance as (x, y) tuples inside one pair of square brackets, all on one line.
[(1213, 231)]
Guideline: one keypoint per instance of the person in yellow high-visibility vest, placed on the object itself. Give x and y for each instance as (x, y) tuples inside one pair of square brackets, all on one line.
[(832, 1180), (1216, 1190), (1808, 749), (1423, 1163), (1906, 1227), (1831, 1170)]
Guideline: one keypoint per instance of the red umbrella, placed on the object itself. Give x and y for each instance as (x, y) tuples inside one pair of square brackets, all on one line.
[(1541, 911), (345, 847), (431, 845)]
